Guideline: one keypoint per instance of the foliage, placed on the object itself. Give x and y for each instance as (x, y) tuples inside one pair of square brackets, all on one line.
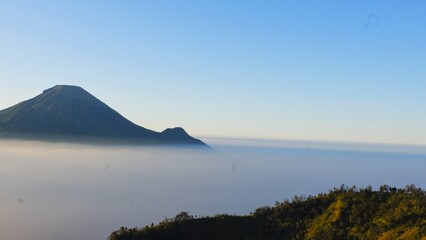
[(343, 213)]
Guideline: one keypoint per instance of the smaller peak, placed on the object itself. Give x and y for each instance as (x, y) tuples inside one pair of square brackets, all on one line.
[(176, 129), (176, 132)]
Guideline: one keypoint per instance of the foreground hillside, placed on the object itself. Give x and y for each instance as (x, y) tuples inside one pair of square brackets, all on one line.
[(344, 213)]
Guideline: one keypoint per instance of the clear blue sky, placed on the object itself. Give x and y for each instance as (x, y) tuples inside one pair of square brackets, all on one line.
[(323, 70)]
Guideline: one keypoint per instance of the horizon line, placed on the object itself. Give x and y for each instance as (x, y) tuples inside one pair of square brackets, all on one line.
[(343, 142)]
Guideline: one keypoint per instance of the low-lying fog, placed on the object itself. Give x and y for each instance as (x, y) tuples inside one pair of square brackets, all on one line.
[(75, 192)]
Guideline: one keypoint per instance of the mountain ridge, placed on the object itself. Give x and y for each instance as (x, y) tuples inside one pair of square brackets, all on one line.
[(69, 112)]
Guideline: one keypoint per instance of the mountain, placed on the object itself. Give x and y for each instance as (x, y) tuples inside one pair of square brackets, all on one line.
[(70, 113)]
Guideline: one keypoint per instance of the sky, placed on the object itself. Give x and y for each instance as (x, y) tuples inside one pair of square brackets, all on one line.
[(317, 70)]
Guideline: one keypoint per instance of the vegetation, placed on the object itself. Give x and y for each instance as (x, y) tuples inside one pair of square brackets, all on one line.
[(343, 213)]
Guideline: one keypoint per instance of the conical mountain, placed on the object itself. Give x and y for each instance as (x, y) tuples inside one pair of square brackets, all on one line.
[(71, 113)]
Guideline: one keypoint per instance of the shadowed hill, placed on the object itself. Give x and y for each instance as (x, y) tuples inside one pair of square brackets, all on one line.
[(71, 113), (345, 213)]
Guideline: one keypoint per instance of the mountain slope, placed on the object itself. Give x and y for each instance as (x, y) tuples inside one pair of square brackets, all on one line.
[(345, 213), (70, 112)]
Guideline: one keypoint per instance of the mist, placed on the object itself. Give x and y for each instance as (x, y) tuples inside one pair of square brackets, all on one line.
[(54, 191)]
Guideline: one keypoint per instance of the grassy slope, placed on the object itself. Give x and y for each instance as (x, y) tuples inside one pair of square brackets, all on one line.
[(345, 213)]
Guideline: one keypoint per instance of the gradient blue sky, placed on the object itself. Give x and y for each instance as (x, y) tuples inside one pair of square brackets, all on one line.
[(322, 70)]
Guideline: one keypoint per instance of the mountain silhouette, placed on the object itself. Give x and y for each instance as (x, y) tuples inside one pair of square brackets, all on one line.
[(71, 113)]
